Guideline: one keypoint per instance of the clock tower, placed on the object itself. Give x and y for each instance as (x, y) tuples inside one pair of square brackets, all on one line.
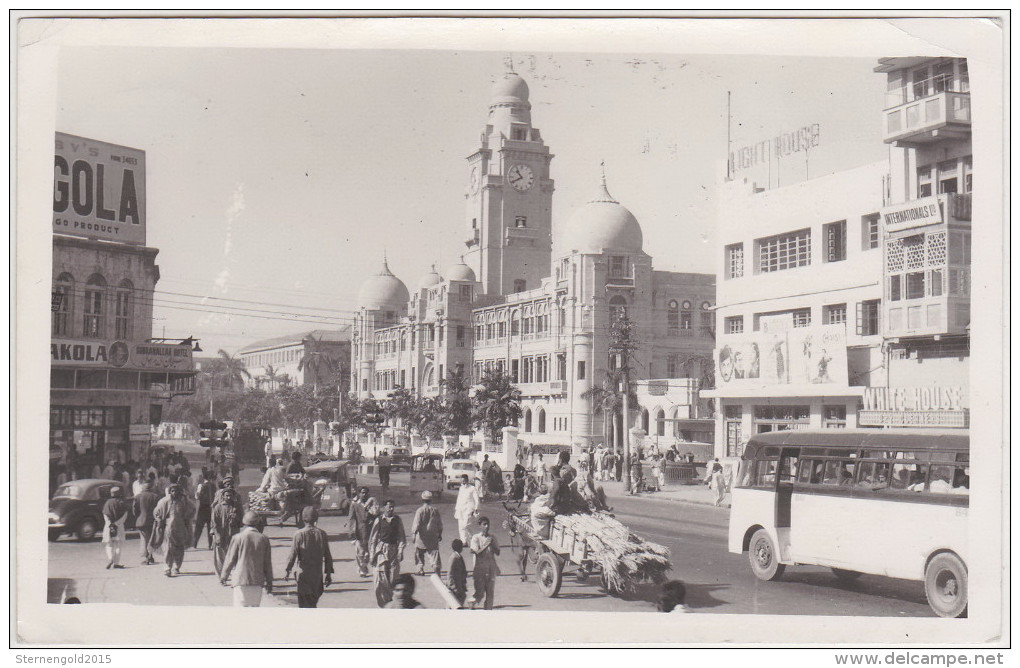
[(509, 196)]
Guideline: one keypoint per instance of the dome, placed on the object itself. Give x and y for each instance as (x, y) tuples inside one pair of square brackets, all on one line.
[(460, 272), (384, 290), (429, 279), (511, 88), (603, 224)]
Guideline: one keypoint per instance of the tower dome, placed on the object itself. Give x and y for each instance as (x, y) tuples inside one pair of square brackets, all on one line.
[(603, 224), (383, 291), (459, 272), (509, 90), (429, 279)]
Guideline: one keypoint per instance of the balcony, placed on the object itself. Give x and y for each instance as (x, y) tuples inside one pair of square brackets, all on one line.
[(928, 111), (619, 281)]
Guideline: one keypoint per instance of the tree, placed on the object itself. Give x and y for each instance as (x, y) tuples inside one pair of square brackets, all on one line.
[(316, 363), (272, 377), (227, 373), (497, 404), (400, 406), (455, 404)]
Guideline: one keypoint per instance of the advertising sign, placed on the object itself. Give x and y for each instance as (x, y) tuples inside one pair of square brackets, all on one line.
[(915, 213), (795, 356), (98, 190), (118, 354)]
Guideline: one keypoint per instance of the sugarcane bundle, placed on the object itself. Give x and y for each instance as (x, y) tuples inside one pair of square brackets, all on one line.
[(623, 556), (261, 502)]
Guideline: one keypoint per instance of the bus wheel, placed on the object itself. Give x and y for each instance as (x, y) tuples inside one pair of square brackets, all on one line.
[(945, 584), (845, 575), (764, 558)]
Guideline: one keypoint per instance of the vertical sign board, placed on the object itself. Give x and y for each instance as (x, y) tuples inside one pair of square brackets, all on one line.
[(98, 190)]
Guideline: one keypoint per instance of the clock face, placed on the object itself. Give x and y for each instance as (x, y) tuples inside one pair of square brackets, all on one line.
[(521, 177), (473, 179)]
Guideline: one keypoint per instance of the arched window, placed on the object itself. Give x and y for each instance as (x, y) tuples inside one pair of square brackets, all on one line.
[(674, 414), (541, 421), (515, 323), (673, 318), (527, 420), (660, 423), (122, 310), (644, 420), (430, 376), (618, 306), (93, 313), (62, 309)]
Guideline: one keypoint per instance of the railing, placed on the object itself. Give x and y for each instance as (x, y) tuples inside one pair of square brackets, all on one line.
[(928, 113), (620, 281), (919, 90)]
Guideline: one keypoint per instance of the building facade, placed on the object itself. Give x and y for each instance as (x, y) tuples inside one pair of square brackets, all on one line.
[(109, 380), (844, 301), (278, 361), (537, 310)]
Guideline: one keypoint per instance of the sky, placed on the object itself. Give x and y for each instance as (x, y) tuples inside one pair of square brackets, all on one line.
[(277, 178)]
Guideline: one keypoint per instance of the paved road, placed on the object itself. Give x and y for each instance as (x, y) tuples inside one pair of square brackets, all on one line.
[(695, 534)]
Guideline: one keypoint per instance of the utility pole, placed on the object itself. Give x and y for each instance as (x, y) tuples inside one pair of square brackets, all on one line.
[(626, 432), (621, 345)]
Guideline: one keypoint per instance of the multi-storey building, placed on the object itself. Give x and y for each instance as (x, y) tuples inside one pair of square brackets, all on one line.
[(109, 380), (539, 311), (926, 245), (273, 362)]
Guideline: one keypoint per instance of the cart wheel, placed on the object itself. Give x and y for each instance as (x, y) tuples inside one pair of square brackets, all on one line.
[(549, 574)]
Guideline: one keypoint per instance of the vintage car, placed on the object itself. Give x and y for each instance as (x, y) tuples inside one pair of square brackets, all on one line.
[(453, 469), (334, 484), (401, 458), (77, 508), (427, 474)]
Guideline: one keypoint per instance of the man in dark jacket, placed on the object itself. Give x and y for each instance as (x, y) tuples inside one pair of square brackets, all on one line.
[(226, 521), (310, 551), (143, 505), (204, 495), (249, 563)]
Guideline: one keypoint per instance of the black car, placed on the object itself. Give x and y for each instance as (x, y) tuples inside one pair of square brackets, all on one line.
[(77, 508)]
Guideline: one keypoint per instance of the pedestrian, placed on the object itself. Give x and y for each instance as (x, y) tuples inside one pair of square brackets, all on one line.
[(485, 488), (234, 497), (295, 467), (384, 462), (362, 515), (172, 527), (403, 593), (456, 578), (387, 544), (226, 521), (540, 471), (661, 471), (248, 563), (485, 548), (310, 551), (427, 533), (204, 495), (143, 505), (115, 512), (653, 479), (467, 508), (269, 453), (717, 483), (139, 482)]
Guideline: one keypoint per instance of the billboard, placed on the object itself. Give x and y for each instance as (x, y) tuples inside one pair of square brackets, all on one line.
[(120, 355), (98, 190), (783, 356)]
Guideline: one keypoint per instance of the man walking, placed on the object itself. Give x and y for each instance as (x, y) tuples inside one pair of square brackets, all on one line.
[(249, 564), (172, 526), (485, 548), (310, 551), (466, 508), (143, 505), (427, 532), (115, 512), (226, 522), (359, 524), (203, 520), (385, 463), (387, 549)]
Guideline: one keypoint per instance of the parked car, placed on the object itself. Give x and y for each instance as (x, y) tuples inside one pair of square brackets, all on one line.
[(453, 469), (401, 457), (77, 508)]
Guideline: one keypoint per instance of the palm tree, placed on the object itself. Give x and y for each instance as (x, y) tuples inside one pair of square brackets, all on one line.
[(272, 377), (497, 404), (316, 363), (227, 372)]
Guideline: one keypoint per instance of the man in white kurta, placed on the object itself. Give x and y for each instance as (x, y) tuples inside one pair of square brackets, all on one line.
[(466, 510)]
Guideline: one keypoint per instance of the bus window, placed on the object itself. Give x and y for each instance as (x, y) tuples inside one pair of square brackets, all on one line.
[(941, 477), (961, 480), (918, 478), (789, 472), (746, 474), (901, 475), (811, 471), (873, 475), (832, 473), (766, 473)]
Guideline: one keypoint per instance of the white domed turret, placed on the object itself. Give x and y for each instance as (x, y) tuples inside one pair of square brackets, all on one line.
[(429, 279), (603, 224), (383, 291), (509, 90), (460, 272)]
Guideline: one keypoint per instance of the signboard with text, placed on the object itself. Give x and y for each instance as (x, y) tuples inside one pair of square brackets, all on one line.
[(98, 190), (120, 355), (915, 213)]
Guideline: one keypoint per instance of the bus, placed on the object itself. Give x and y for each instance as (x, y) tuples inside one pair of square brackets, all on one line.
[(883, 502)]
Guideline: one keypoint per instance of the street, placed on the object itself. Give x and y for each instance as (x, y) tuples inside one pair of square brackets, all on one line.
[(717, 581)]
